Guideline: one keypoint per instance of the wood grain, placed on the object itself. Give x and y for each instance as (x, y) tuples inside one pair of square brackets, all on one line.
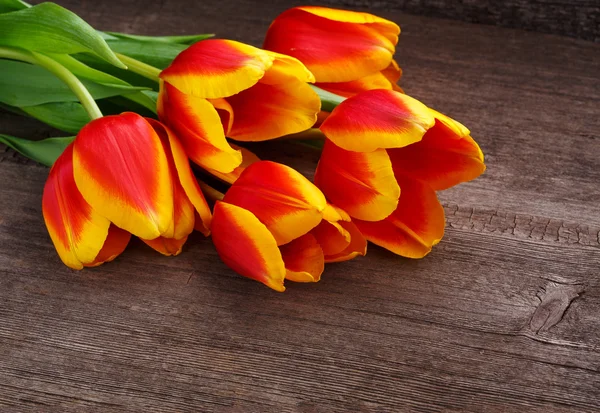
[(575, 18), (501, 317)]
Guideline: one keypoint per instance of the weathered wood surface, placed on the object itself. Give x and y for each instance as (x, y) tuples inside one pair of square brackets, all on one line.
[(503, 316), (575, 18)]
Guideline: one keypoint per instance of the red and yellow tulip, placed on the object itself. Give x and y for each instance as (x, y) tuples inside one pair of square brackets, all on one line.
[(385, 156), (347, 51), (122, 175), (221, 88), (273, 224)]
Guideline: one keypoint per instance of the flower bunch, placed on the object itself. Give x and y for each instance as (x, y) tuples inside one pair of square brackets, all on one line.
[(163, 153)]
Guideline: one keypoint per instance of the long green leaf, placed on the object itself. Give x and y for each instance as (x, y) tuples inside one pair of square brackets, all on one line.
[(189, 39), (66, 116), (45, 151), (143, 98), (82, 70), (49, 28), (126, 75), (22, 84), (157, 54), (7, 6)]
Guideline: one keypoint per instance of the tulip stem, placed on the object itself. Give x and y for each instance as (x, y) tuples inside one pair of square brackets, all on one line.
[(58, 70), (211, 192), (311, 134), (141, 68), (329, 101)]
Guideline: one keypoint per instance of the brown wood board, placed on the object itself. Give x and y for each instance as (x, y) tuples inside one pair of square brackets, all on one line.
[(503, 315)]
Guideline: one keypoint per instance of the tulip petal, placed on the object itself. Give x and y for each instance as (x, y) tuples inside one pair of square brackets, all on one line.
[(377, 119), (269, 111), (414, 227), (225, 112), (183, 210), (197, 123), (217, 68), (76, 229), (248, 158), (333, 239), (121, 169), (386, 79), (286, 66), (280, 197), (166, 246), (303, 258), (393, 73), (445, 157), (363, 43), (334, 214), (188, 195), (246, 245), (363, 184), (114, 245), (348, 89), (457, 127), (349, 16), (356, 246)]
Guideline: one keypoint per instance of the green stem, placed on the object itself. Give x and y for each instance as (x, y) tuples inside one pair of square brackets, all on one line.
[(329, 101), (311, 134), (141, 68), (86, 99), (211, 192)]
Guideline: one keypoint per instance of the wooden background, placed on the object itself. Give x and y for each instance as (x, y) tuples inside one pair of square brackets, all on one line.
[(575, 18), (503, 316)]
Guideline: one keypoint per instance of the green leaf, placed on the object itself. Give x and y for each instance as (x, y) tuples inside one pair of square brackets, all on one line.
[(144, 99), (82, 70), (66, 116), (126, 75), (155, 54), (105, 35), (189, 39), (49, 28), (45, 151), (7, 6), (22, 84), (153, 95)]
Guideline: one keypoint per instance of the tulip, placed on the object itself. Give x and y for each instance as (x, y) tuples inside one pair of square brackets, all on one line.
[(221, 88), (122, 175), (81, 236), (385, 156), (273, 224), (347, 51)]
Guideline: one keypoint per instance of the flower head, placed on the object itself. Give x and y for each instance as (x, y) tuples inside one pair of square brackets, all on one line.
[(385, 156), (347, 51), (222, 88), (127, 174), (273, 224)]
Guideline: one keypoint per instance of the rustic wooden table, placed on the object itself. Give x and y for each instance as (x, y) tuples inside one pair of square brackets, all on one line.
[(504, 314)]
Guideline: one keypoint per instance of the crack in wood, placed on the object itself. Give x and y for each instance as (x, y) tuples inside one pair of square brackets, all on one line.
[(521, 225)]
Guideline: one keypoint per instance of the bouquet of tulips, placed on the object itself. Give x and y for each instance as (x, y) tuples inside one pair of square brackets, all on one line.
[(143, 107)]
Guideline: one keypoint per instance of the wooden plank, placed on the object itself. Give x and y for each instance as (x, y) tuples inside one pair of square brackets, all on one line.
[(464, 329), (502, 316), (575, 18)]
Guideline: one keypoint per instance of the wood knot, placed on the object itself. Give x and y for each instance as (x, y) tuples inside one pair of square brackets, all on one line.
[(555, 298)]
